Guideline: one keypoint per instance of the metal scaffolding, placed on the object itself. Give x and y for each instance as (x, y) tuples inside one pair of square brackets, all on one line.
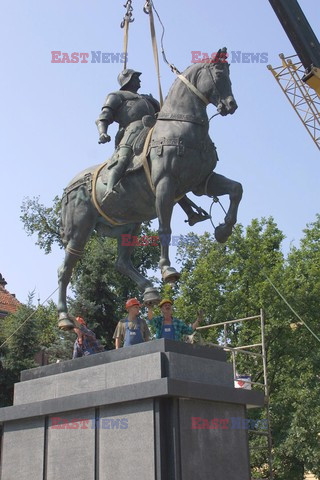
[(248, 350), (304, 99)]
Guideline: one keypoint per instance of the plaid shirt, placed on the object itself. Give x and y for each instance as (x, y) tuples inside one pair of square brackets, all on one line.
[(90, 344), (180, 328)]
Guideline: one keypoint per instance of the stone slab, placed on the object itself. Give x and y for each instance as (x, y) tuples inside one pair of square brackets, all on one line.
[(127, 453), (197, 369), (212, 453), (70, 451), (162, 345), (164, 387), (125, 372), (99, 377), (23, 449)]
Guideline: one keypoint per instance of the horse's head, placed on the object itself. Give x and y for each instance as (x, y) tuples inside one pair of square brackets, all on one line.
[(213, 80)]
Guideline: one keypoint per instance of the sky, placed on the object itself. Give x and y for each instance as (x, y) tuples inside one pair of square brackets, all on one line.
[(48, 113)]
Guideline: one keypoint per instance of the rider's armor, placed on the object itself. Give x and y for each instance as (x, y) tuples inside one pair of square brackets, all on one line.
[(127, 109)]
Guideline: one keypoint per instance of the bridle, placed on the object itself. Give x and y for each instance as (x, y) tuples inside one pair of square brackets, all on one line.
[(196, 91)]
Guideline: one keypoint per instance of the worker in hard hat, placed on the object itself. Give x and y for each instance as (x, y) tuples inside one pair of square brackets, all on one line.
[(86, 342), (133, 112), (168, 326), (133, 329)]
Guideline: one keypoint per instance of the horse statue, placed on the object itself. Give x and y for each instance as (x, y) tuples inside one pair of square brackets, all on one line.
[(178, 157)]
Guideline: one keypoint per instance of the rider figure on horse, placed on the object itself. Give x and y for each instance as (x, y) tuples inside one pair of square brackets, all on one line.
[(133, 112)]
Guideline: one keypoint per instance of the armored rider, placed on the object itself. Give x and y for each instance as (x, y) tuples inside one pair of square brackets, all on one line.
[(133, 112)]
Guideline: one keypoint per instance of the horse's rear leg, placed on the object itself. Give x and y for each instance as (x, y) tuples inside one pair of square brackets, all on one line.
[(78, 221), (216, 186), (164, 207), (124, 264)]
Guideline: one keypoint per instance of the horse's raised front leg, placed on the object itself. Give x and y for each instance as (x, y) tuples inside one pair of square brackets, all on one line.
[(164, 207), (216, 186)]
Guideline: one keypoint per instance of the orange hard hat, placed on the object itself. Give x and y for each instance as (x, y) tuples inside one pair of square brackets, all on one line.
[(131, 302), (81, 320)]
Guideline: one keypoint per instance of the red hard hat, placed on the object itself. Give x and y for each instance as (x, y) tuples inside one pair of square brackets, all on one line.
[(81, 320), (131, 302)]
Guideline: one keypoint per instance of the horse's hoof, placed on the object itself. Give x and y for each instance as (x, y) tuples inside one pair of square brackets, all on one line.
[(222, 232), (170, 275), (65, 323), (151, 297)]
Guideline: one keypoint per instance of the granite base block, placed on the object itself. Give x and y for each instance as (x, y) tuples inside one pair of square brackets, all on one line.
[(128, 415)]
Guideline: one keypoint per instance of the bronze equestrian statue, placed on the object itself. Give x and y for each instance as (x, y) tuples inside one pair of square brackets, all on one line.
[(172, 158)]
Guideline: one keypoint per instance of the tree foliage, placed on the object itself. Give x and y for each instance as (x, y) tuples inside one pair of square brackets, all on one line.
[(24, 334), (42, 221), (231, 281)]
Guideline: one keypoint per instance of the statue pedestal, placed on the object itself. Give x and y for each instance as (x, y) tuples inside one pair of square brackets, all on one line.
[(162, 410)]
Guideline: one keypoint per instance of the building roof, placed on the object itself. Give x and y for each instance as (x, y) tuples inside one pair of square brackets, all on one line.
[(8, 301)]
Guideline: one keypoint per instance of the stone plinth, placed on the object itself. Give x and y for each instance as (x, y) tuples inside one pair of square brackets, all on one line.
[(130, 413)]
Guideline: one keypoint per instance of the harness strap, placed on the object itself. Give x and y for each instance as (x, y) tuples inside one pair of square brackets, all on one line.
[(94, 197), (194, 89), (145, 161), (182, 117), (73, 251)]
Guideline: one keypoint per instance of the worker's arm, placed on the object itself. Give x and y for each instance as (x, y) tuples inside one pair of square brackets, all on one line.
[(150, 313), (146, 331), (118, 335), (196, 324)]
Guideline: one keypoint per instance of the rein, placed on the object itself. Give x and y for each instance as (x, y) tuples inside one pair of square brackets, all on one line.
[(193, 89), (196, 91)]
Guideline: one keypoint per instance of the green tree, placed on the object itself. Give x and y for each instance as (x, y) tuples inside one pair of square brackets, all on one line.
[(229, 282), (297, 386), (42, 221), (99, 292), (24, 334)]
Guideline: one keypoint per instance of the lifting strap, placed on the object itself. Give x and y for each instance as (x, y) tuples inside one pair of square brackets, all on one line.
[(148, 10), (125, 24)]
